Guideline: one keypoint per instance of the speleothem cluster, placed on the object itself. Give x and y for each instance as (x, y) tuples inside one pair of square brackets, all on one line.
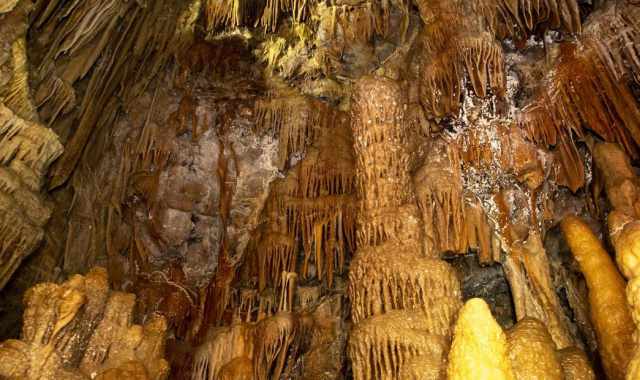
[(319, 189)]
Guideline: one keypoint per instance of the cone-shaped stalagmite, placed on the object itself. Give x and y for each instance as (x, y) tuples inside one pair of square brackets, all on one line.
[(479, 349), (609, 310)]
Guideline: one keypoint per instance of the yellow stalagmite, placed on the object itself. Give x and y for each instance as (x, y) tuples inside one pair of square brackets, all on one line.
[(609, 310), (623, 191), (625, 236), (532, 351), (479, 349)]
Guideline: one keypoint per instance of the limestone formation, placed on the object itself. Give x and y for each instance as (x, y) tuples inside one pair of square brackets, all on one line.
[(479, 349), (81, 329), (311, 189), (393, 285), (609, 309), (27, 147)]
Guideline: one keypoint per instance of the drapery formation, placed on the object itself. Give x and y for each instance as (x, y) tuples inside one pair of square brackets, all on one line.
[(314, 205), (27, 148), (589, 87)]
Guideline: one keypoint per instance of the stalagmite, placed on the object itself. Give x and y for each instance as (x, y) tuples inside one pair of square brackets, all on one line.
[(609, 310), (620, 181), (80, 330), (621, 186), (532, 351), (392, 285), (625, 235), (479, 349)]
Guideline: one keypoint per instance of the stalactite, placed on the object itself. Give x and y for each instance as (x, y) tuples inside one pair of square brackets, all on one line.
[(359, 23), (455, 43), (587, 89), (248, 301), (381, 283), (279, 255), (259, 346), (609, 310), (359, 20), (80, 329), (16, 95), (308, 296), (266, 13), (218, 291), (287, 291), (266, 306), (237, 369), (342, 191), (7, 6), (423, 368), (296, 119), (382, 345), (501, 144), (275, 335), (479, 348), (532, 351), (25, 141), (530, 16), (453, 222), (222, 345), (106, 42), (314, 205), (402, 303), (28, 149), (228, 13)]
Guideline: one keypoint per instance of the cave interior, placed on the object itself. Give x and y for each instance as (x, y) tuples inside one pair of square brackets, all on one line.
[(319, 189)]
